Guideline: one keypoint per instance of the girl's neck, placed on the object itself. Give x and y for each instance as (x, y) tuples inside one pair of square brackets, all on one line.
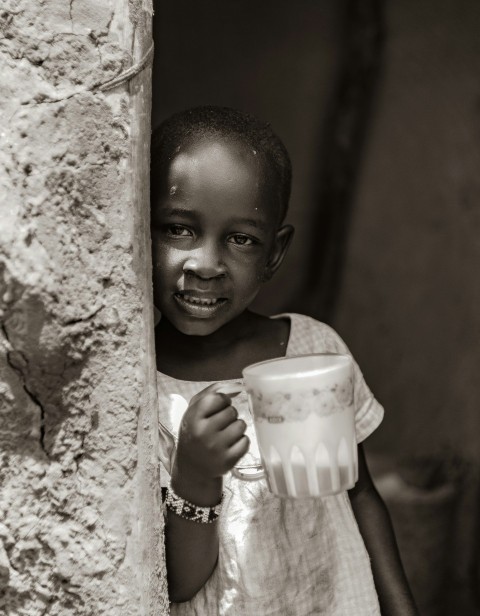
[(224, 353)]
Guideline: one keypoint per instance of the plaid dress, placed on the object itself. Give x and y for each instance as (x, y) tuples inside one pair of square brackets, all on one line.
[(277, 556)]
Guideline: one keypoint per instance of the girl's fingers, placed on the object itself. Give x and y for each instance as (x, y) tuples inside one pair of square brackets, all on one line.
[(230, 389), (215, 397), (239, 449), (201, 394), (223, 418), (209, 404), (233, 433)]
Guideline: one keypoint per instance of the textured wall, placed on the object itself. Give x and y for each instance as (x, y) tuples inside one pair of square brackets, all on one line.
[(80, 521)]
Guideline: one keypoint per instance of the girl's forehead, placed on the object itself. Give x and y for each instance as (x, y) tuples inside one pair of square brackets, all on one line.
[(209, 152), (222, 163), (213, 166), (229, 169)]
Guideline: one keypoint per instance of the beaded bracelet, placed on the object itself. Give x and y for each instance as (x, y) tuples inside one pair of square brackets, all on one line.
[(189, 511)]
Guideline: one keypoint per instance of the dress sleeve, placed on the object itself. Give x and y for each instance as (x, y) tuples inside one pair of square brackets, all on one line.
[(368, 411)]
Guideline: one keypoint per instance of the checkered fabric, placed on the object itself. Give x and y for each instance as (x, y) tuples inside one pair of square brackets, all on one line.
[(282, 557)]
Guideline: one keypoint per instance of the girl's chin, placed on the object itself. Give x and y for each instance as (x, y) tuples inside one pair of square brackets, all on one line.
[(205, 327), (204, 322), (196, 327), (197, 331)]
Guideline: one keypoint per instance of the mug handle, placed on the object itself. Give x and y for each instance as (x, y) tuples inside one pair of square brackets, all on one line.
[(251, 472)]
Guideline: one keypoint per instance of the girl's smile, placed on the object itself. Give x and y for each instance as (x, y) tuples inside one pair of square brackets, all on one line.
[(215, 235), (198, 305)]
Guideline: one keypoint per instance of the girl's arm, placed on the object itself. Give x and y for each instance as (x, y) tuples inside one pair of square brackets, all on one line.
[(211, 440), (376, 529), (191, 547)]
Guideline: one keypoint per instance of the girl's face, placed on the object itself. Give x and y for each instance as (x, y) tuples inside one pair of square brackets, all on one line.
[(215, 236)]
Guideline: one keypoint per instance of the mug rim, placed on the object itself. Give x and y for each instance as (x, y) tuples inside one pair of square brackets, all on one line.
[(249, 371)]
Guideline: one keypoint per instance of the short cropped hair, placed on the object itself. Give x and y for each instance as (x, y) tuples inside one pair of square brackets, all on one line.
[(192, 124)]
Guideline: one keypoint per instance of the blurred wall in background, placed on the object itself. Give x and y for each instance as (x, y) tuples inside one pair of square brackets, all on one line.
[(409, 305), (409, 297)]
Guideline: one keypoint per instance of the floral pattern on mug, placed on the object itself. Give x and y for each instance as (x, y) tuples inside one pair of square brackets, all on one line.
[(297, 406)]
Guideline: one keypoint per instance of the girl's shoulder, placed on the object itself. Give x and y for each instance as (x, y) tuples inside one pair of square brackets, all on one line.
[(307, 335)]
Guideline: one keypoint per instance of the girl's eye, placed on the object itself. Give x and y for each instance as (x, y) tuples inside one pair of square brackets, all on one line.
[(241, 240), (178, 231)]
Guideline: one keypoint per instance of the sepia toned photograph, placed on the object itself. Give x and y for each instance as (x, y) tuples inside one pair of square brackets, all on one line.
[(239, 308)]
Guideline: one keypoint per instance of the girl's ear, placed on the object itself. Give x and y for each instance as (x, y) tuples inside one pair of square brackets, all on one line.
[(283, 237)]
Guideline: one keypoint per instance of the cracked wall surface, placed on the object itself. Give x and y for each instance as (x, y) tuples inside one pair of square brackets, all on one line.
[(80, 520)]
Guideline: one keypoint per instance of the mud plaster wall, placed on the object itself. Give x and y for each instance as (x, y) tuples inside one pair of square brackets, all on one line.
[(80, 523)]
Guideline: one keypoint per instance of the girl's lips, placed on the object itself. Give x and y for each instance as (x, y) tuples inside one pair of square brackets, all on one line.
[(202, 307), (199, 300)]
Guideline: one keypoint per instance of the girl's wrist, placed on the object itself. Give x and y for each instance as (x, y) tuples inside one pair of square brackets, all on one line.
[(189, 511), (201, 491)]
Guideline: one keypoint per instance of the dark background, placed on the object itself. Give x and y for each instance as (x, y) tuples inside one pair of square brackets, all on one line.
[(379, 106)]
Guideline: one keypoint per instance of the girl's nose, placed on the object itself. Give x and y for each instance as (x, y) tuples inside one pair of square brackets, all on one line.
[(206, 262)]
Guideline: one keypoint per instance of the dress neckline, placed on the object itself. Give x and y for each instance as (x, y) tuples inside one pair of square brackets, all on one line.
[(282, 315)]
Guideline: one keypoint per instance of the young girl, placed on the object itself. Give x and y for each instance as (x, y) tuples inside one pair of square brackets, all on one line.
[(220, 189)]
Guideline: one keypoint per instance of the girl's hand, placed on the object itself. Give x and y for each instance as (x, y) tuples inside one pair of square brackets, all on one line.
[(211, 438)]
